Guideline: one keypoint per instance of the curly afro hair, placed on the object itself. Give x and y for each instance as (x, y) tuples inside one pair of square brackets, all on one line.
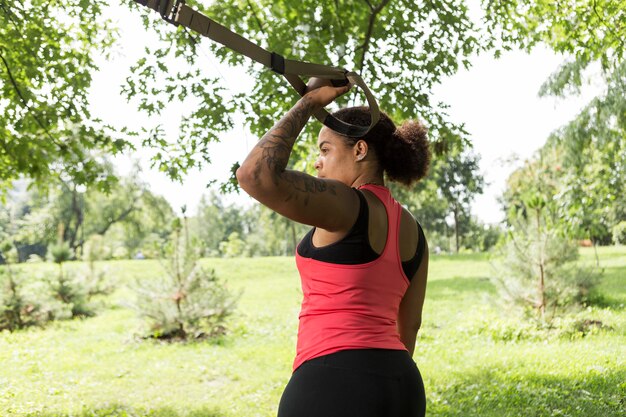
[(403, 152)]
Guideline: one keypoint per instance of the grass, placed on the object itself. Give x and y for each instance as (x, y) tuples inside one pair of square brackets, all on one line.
[(98, 367)]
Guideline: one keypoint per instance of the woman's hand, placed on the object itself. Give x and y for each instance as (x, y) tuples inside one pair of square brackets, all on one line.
[(321, 92)]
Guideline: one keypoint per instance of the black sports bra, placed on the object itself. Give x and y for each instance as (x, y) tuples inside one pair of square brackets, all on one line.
[(355, 248)]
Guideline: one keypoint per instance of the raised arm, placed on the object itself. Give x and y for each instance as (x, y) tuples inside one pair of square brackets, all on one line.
[(325, 203)]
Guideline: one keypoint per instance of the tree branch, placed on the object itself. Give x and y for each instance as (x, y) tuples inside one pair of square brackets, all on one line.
[(370, 28), (62, 146), (607, 26), (258, 22), (121, 217), (336, 2)]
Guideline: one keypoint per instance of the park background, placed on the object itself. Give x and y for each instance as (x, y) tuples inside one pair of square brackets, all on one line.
[(136, 280)]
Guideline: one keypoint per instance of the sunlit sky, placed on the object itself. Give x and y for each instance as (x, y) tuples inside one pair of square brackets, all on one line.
[(496, 99)]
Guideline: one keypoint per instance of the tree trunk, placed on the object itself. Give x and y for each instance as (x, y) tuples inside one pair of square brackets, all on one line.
[(78, 213), (595, 250), (456, 226), (542, 282)]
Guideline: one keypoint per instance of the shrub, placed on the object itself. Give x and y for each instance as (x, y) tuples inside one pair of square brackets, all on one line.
[(233, 247), (189, 300), (59, 253), (120, 252), (619, 233), (72, 291), (17, 310), (71, 296), (96, 249), (152, 246)]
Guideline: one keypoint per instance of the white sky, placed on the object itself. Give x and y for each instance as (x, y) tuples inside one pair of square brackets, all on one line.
[(496, 99)]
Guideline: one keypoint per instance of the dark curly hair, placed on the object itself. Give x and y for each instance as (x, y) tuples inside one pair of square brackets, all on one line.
[(403, 152)]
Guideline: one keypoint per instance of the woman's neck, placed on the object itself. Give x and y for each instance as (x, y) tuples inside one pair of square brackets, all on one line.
[(372, 179)]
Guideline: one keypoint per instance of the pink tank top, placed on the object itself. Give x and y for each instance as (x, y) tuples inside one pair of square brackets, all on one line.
[(353, 306)]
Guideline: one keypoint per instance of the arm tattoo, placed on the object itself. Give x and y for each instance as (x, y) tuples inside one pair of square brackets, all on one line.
[(276, 146)]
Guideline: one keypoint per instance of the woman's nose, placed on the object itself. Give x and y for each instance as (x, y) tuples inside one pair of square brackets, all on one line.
[(318, 164)]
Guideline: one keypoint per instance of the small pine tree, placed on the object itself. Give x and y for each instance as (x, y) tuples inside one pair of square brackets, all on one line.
[(539, 269), (189, 300), (66, 287), (16, 311)]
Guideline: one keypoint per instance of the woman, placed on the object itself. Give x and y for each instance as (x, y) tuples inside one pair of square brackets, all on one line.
[(363, 266)]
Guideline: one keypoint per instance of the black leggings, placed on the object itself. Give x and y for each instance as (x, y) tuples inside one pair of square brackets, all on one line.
[(355, 383)]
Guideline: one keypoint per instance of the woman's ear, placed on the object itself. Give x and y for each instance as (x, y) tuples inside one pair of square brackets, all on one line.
[(360, 150)]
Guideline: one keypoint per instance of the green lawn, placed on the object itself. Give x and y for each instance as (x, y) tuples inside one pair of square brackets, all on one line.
[(475, 360)]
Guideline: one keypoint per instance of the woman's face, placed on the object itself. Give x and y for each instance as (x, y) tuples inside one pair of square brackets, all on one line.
[(336, 159)]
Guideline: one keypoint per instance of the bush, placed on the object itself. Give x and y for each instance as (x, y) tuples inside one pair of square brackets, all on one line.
[(568, 327), (152, 246), (72, 291), (17, 309), (96, 249), (619, 233), (233, 247), (70, 295), (59, 253), (188, 301), (120, 252)]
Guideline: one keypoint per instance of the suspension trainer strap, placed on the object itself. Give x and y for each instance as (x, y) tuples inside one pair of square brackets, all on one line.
[(179, 14)]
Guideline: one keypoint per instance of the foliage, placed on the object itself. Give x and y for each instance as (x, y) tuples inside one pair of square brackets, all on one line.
[(17, 311), (66, 287), (189, 301), (482, 237), (619, 233), (594, 156), (590, 149), (125, 217), (95, 249), (46, 66), (589, 30), (447, 192), (402, 50), (584, 196), (59, 253), (233, 247), (216, 221), (261, 231)]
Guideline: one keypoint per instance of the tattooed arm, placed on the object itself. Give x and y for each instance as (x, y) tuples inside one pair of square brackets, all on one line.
[(324, 203)]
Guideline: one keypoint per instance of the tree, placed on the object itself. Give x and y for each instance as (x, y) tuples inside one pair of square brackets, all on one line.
[(448, 190), (589, 30), (539, 271), (402, 49), (215, 222), (582, 163), (459, 182), (271, 234), (46, 65), (592, 147), (188, 301), (70, 213)]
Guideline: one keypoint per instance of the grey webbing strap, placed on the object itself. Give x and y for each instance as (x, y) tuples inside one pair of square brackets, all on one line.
[(178, 13)]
